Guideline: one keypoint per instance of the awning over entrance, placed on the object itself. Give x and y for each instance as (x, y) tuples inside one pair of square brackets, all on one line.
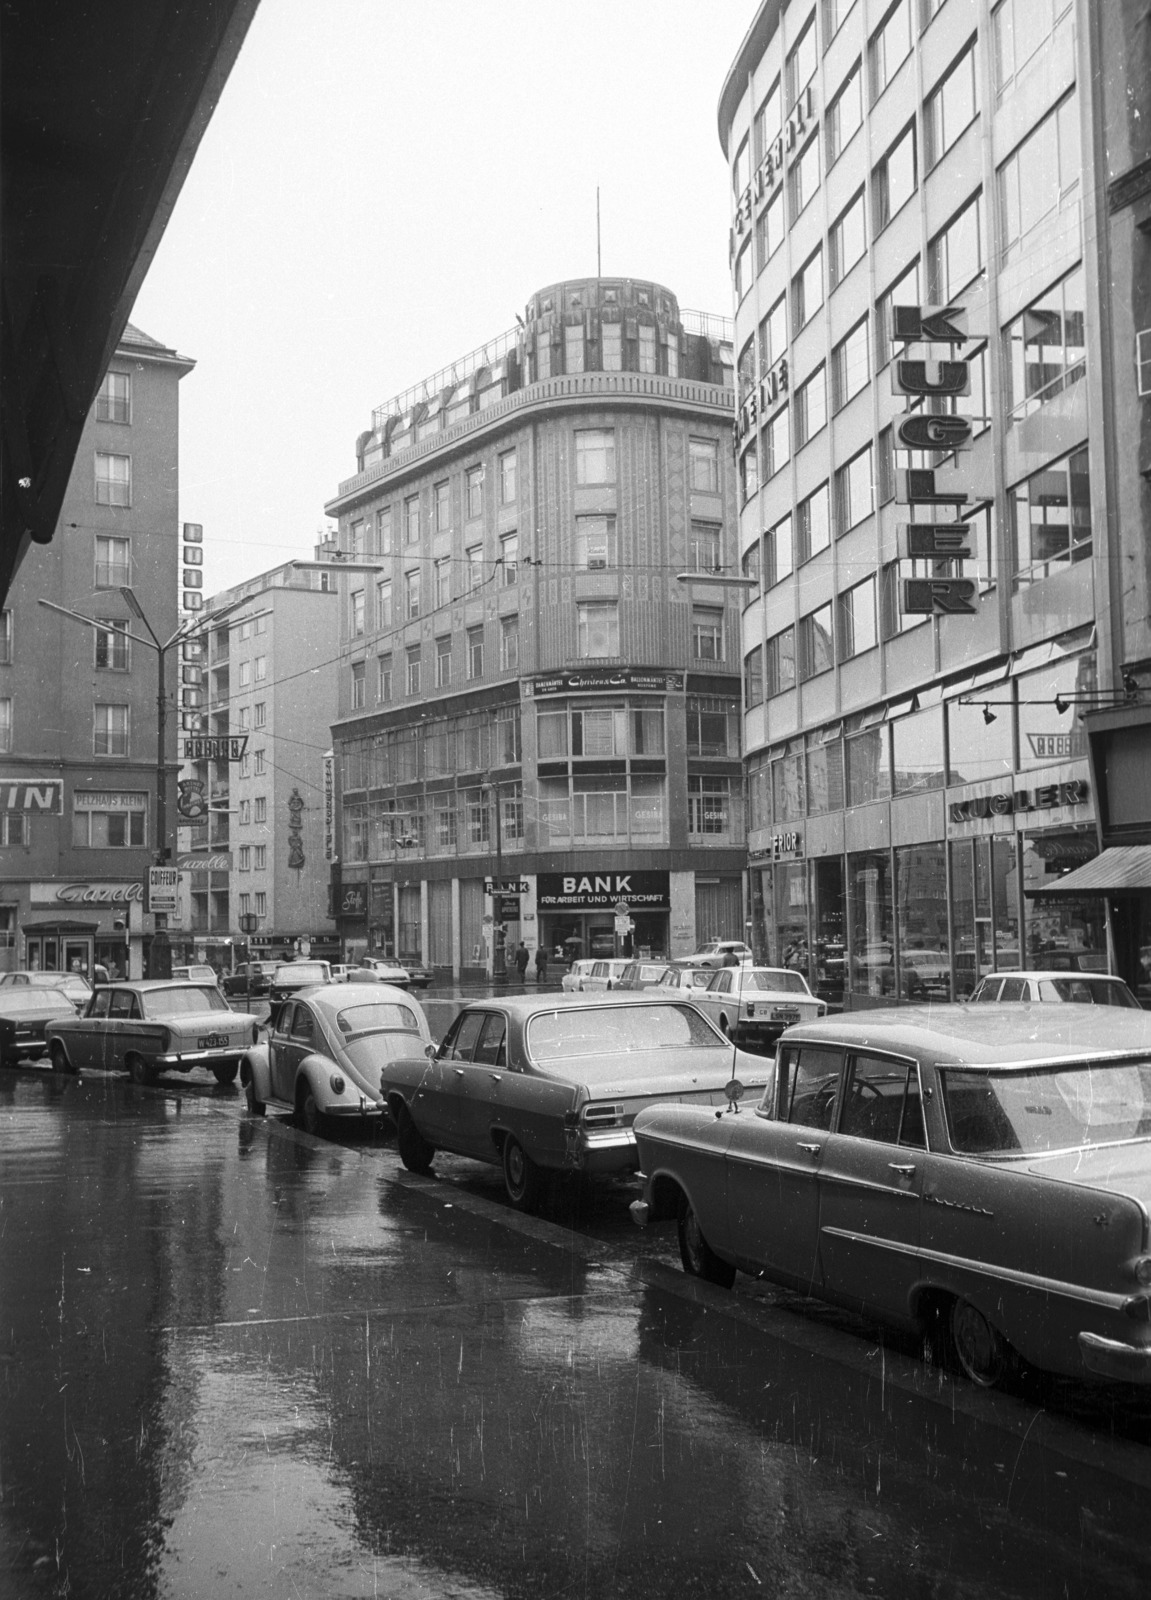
[(1123, 869)]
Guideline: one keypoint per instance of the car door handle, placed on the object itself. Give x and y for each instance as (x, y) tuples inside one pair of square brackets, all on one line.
[(459, 1072), (495, 1076), (812, 1149), (904, 1172)]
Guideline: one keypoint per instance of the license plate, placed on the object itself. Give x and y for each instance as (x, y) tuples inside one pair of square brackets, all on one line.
[(212, 1041), (782, 1014)]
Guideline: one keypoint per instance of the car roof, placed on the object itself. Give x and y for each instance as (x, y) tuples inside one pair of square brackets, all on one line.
[(524, 1006), (1063, 974), (985, 1036), (338, 996)]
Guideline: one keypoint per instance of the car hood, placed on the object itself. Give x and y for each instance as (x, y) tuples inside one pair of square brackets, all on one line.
[(1117, 1168)]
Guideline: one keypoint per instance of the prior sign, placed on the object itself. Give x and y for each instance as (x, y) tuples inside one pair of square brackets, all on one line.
[(163, 890)]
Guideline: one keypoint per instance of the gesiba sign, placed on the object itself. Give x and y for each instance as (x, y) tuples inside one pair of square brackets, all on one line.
[(1007, 803), (923, 380)]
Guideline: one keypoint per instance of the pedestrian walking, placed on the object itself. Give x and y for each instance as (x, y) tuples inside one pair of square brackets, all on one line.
[(541, 964), (522, 960)]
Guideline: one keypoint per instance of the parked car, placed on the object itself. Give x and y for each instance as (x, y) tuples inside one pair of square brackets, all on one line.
[(539, 1082), (249, 977), (642, 975), (717, 953), (573, 979), (686, 975), (157, 1025), (932, 969), (73, 984), (323, 1055), (604, 975), (419, 973), (753, 1005), (290, 976), (24, 1017), (979, 1174), (1077, 988), (339, 971), (199, 973), (386, 968)]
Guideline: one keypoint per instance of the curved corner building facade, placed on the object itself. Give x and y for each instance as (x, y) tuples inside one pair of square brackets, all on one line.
[(539, 694), (924, 386)]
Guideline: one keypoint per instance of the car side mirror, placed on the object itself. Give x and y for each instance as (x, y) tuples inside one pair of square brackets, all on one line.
[(734, 1091)]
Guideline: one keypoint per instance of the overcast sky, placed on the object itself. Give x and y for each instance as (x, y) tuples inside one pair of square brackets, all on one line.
[(383, 185)]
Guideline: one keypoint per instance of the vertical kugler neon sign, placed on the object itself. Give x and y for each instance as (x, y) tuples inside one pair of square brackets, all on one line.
[(923, 381)]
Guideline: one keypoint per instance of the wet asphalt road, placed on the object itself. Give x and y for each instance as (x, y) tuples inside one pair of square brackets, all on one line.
[(236, 1360)]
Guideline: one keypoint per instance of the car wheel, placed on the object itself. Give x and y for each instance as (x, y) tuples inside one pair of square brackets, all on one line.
[(699, 1259), (139, 1071), (60, 1062), (415, 1151), (256, 1108), (226, 1071), (980, 1350), (522, 1178), (311, 1117)]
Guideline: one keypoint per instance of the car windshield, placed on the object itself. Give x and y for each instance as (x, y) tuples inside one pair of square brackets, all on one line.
[(301, 972), (1087, 992), (33, 1002), (376, 1014), (1051, 1108), (560, 1035), (774, 980), (183, 1002)]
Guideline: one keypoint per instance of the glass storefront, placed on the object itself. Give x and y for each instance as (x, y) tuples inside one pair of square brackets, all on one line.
[(871, 952), (1060, 931), (984, 909), (921, 922)]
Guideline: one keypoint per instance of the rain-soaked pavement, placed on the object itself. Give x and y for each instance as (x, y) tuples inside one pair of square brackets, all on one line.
[(235, 1360)]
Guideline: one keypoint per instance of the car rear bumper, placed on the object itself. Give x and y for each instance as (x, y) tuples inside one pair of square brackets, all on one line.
[(185, 1059), (607, 1150), (1111, 1358)]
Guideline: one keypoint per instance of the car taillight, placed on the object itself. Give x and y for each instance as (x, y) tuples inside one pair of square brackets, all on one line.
[(602, 1116)]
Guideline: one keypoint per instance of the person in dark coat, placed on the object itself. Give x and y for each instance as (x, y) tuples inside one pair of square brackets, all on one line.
[(541, 964), (522, 960)]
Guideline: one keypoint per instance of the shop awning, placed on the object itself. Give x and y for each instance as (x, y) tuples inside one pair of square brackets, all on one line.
[(1123, 869)]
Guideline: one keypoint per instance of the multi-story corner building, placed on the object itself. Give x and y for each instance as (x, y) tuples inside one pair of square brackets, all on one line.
[(924, 499), (257, 819), (78, 717), (532, 697)]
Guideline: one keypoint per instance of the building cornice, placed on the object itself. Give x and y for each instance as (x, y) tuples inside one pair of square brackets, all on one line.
[(588, 390), (747, 58)]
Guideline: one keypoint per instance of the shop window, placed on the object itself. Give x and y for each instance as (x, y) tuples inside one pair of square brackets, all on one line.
[(917, 752), (871, 968), (921, 917), (1061, 931)]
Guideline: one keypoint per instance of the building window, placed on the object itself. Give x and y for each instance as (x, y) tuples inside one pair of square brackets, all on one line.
[(1051, 517), (779, 663), (442, 573), (260, 899), (442, 506), (384, 533), (443, 662), (905, 292), (749, 472), (509, 644), (890, 46), (1041, 176), (810, 407), (813, 517), (260, 714), (356, 544), (414, 670), (705, 547), (508, 478), (596, 543), (384, 679), (779, 551), (242, 717), (260, 857), (770, 229), (773, 335), (244, 674), (475, 652), (244, 864), (261, 666), (648, 350), (110, 730), (751, 566), (708, 807), (803, 176), (893, 180), (849, 366), (260, 810), (857, 620), (358, 670), (357, 613), (475, 566), (123, 827), (777, 442), (474, 487), (245, 811), (112, 645), (15, 829), (509, 559), (768, 121), (113, 562), (412, 519), (412, 593), (597, 628), (245, 904), (844, 115), (384, 604), (611, 346), (707, 633), (848, 241), (1020, 30), (816, 645), (6, 638), (955, 256), (744, 270), (950, 108), (807, 290), (854, 491), (704, 461), (114, 399), (258, 768), (6, 723), (801, 63), (113, 479), (574, 347), (595, 455), (1045, 347), (753, 677)]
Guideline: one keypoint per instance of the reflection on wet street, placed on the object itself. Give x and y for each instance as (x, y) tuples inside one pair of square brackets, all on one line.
[(236, 1360)]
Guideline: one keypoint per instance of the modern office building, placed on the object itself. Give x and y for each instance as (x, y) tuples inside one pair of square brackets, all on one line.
[(256, 799), (78, 722), (930, 500), (539, 681)]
